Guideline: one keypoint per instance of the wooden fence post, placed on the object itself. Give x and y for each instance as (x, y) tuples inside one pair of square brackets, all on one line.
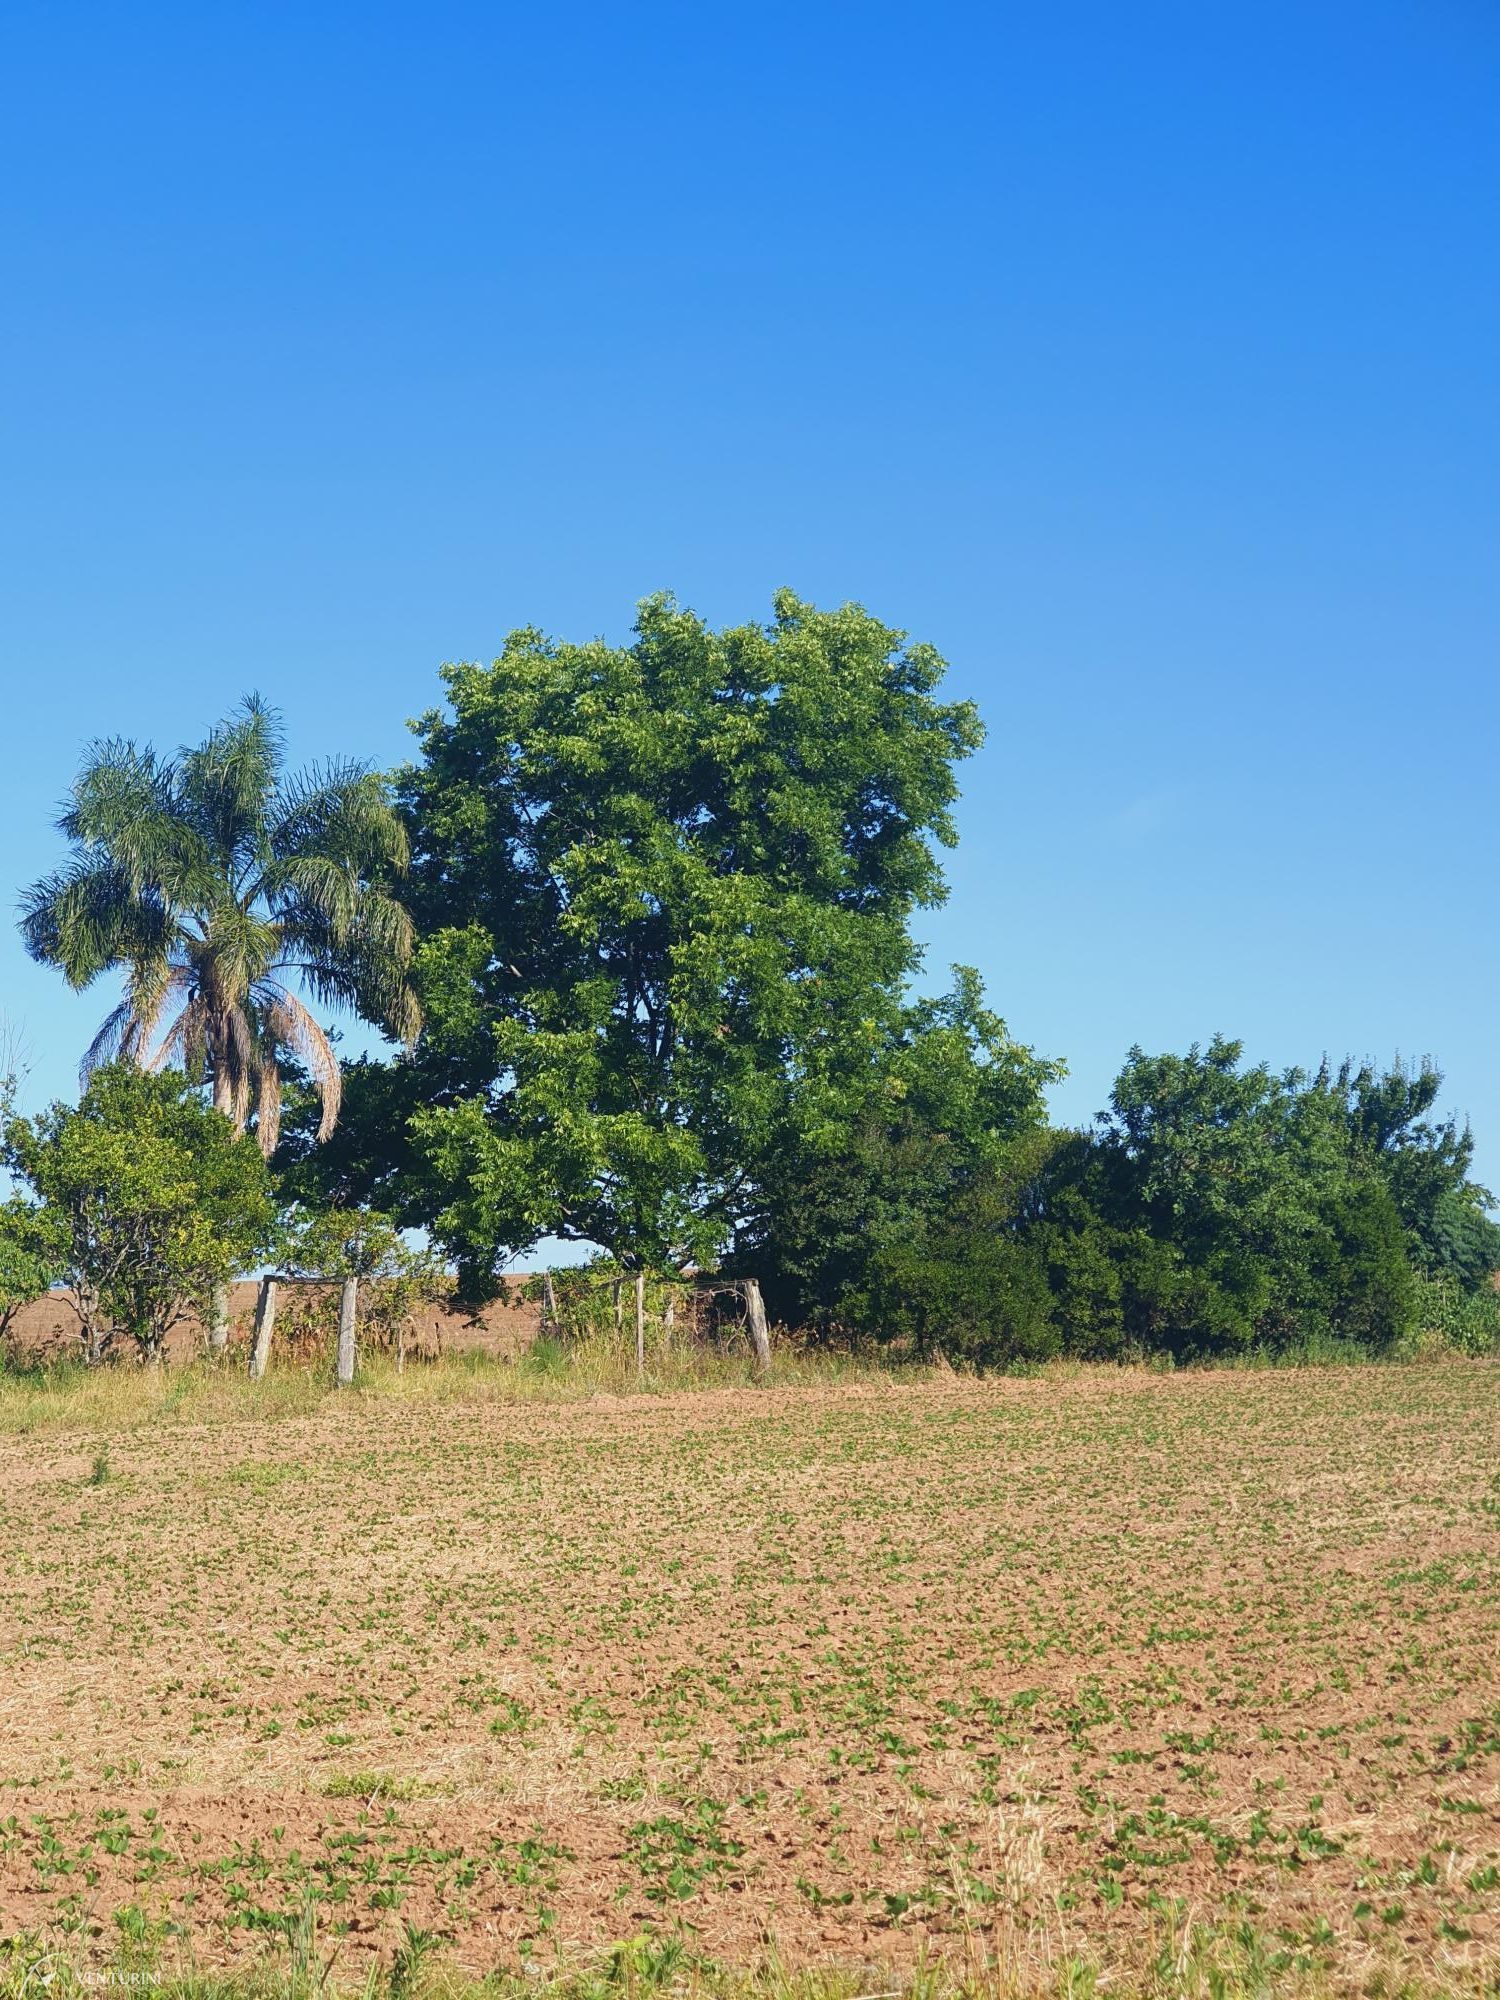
[(755, 1315), (348, 1300), (640, 1325), (549, 1303), (265, 1324)]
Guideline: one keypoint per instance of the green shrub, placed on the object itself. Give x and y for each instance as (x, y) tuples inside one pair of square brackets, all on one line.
[(1469, 1322)]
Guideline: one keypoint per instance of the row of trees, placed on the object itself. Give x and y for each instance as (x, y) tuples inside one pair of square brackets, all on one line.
[(640, 920), (1215, 1208)]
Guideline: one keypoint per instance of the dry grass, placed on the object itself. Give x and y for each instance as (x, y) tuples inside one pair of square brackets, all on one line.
[(1089, 1683), (66, 1397)]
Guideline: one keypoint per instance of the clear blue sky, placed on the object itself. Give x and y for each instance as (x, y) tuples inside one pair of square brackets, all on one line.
[(1142, 358)]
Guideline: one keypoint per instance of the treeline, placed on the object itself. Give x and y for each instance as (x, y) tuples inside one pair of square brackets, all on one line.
[(642, 917), (1214, 1209)]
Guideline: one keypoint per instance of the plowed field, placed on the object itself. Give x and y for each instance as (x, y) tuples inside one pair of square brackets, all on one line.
[(1118, 1669)]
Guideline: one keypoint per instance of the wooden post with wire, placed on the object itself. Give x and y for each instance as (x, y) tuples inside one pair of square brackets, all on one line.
[(640, 1326)]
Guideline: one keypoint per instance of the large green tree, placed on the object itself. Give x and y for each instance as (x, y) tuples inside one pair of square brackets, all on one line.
[(665, 892), (221, 887)]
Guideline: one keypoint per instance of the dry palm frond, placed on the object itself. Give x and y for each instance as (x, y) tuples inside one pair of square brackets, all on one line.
[(291, 1025), (268, 1105), (118, 1030)]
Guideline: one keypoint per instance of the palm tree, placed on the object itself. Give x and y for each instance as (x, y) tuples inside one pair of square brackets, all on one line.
[(218, 886)]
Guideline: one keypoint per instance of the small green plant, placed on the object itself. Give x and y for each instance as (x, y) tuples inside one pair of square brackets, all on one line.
[(415, 1948)]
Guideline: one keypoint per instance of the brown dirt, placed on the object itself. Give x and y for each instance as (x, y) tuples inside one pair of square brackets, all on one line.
[(1118, 1667)]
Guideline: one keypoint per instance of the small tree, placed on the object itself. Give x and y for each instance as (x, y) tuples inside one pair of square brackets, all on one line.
[(149, 1198)]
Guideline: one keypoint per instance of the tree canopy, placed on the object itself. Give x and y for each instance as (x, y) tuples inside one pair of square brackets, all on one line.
[(664, 891), (656, 928)]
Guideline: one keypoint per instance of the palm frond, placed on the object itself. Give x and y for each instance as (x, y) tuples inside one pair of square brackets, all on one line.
[(268, 1105), (290, 1024), (237, 1043), (316, 892), (126, 808), (120, 790), (118, 1031), (239, 947), (171, 1050), (343, 812), (89, 917), (153, 984), (194, 1026), (366, 967), (228, 779)]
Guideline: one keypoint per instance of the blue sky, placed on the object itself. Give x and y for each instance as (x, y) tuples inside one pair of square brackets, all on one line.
[(1142, 359)]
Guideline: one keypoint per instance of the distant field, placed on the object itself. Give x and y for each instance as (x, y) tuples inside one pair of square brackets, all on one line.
[(1189, 1682)]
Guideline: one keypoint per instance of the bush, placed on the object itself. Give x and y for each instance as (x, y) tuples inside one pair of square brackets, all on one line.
[(146, 1199), (1468, 1322)]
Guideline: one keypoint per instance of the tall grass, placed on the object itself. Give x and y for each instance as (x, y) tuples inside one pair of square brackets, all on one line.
[(66, 1396)]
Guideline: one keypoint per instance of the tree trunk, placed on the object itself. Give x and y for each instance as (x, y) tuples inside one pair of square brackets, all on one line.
[(89, 1330), (348, 1300), (755, 1316), (640, 1326), (265, 1326), (218, 1321)]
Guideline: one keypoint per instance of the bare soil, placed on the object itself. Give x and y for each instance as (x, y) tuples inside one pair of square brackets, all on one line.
[(1106, 1667)]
